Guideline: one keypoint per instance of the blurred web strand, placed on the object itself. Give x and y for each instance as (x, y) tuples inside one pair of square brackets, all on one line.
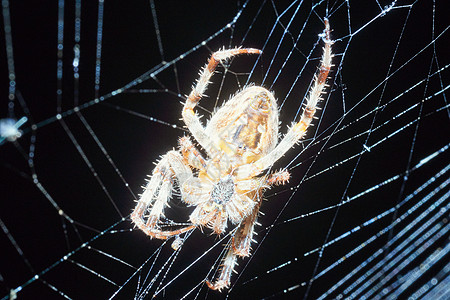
[(9, 57), (158, 33), (389, 211), (76, 53), (98, 53), (404, 233), (59, 49), (408, 256), (435, 289), (422, 244), (9, 129), (435, 56), (76, 76), (423, 201)]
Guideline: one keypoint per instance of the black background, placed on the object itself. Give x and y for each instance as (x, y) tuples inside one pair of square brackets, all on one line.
[(133, 142)]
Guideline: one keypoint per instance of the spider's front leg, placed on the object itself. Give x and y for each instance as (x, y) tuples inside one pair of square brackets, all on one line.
[(191, 120), (157, 194)]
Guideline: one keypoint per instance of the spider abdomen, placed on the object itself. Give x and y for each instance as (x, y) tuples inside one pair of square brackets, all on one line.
[(247, 124)]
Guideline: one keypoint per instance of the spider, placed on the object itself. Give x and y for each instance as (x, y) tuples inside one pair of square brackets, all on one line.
[(241, 142)]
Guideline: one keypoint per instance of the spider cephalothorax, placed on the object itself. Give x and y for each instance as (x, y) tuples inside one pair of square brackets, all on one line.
[(241, 142)]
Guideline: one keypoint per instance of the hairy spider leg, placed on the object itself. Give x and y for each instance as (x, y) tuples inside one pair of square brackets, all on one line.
[(157, 194), (190, 118), (242, 239), (191, 155), (278, 178), (298, 130), (240, 246), (223, 281)]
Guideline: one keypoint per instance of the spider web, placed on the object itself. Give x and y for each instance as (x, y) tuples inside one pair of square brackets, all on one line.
[(92, 95)]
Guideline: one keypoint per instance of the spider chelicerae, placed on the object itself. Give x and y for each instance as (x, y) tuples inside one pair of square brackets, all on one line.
[(241, 142)]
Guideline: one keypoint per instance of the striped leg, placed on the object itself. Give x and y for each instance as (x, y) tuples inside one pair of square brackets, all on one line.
[(157, 194), (190, 118), (298, 130)]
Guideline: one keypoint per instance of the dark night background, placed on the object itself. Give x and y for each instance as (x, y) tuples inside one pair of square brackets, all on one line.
[(123, 124)]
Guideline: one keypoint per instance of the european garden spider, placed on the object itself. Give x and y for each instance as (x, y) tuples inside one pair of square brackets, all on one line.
[(240, 141)]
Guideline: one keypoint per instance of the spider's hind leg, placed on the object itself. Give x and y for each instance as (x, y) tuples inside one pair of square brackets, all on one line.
[(157, 193), (240, 246), (223, 281)]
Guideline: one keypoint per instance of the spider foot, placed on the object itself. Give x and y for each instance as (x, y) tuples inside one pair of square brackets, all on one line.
[(225, 54), (218, 285), (279, 178)]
